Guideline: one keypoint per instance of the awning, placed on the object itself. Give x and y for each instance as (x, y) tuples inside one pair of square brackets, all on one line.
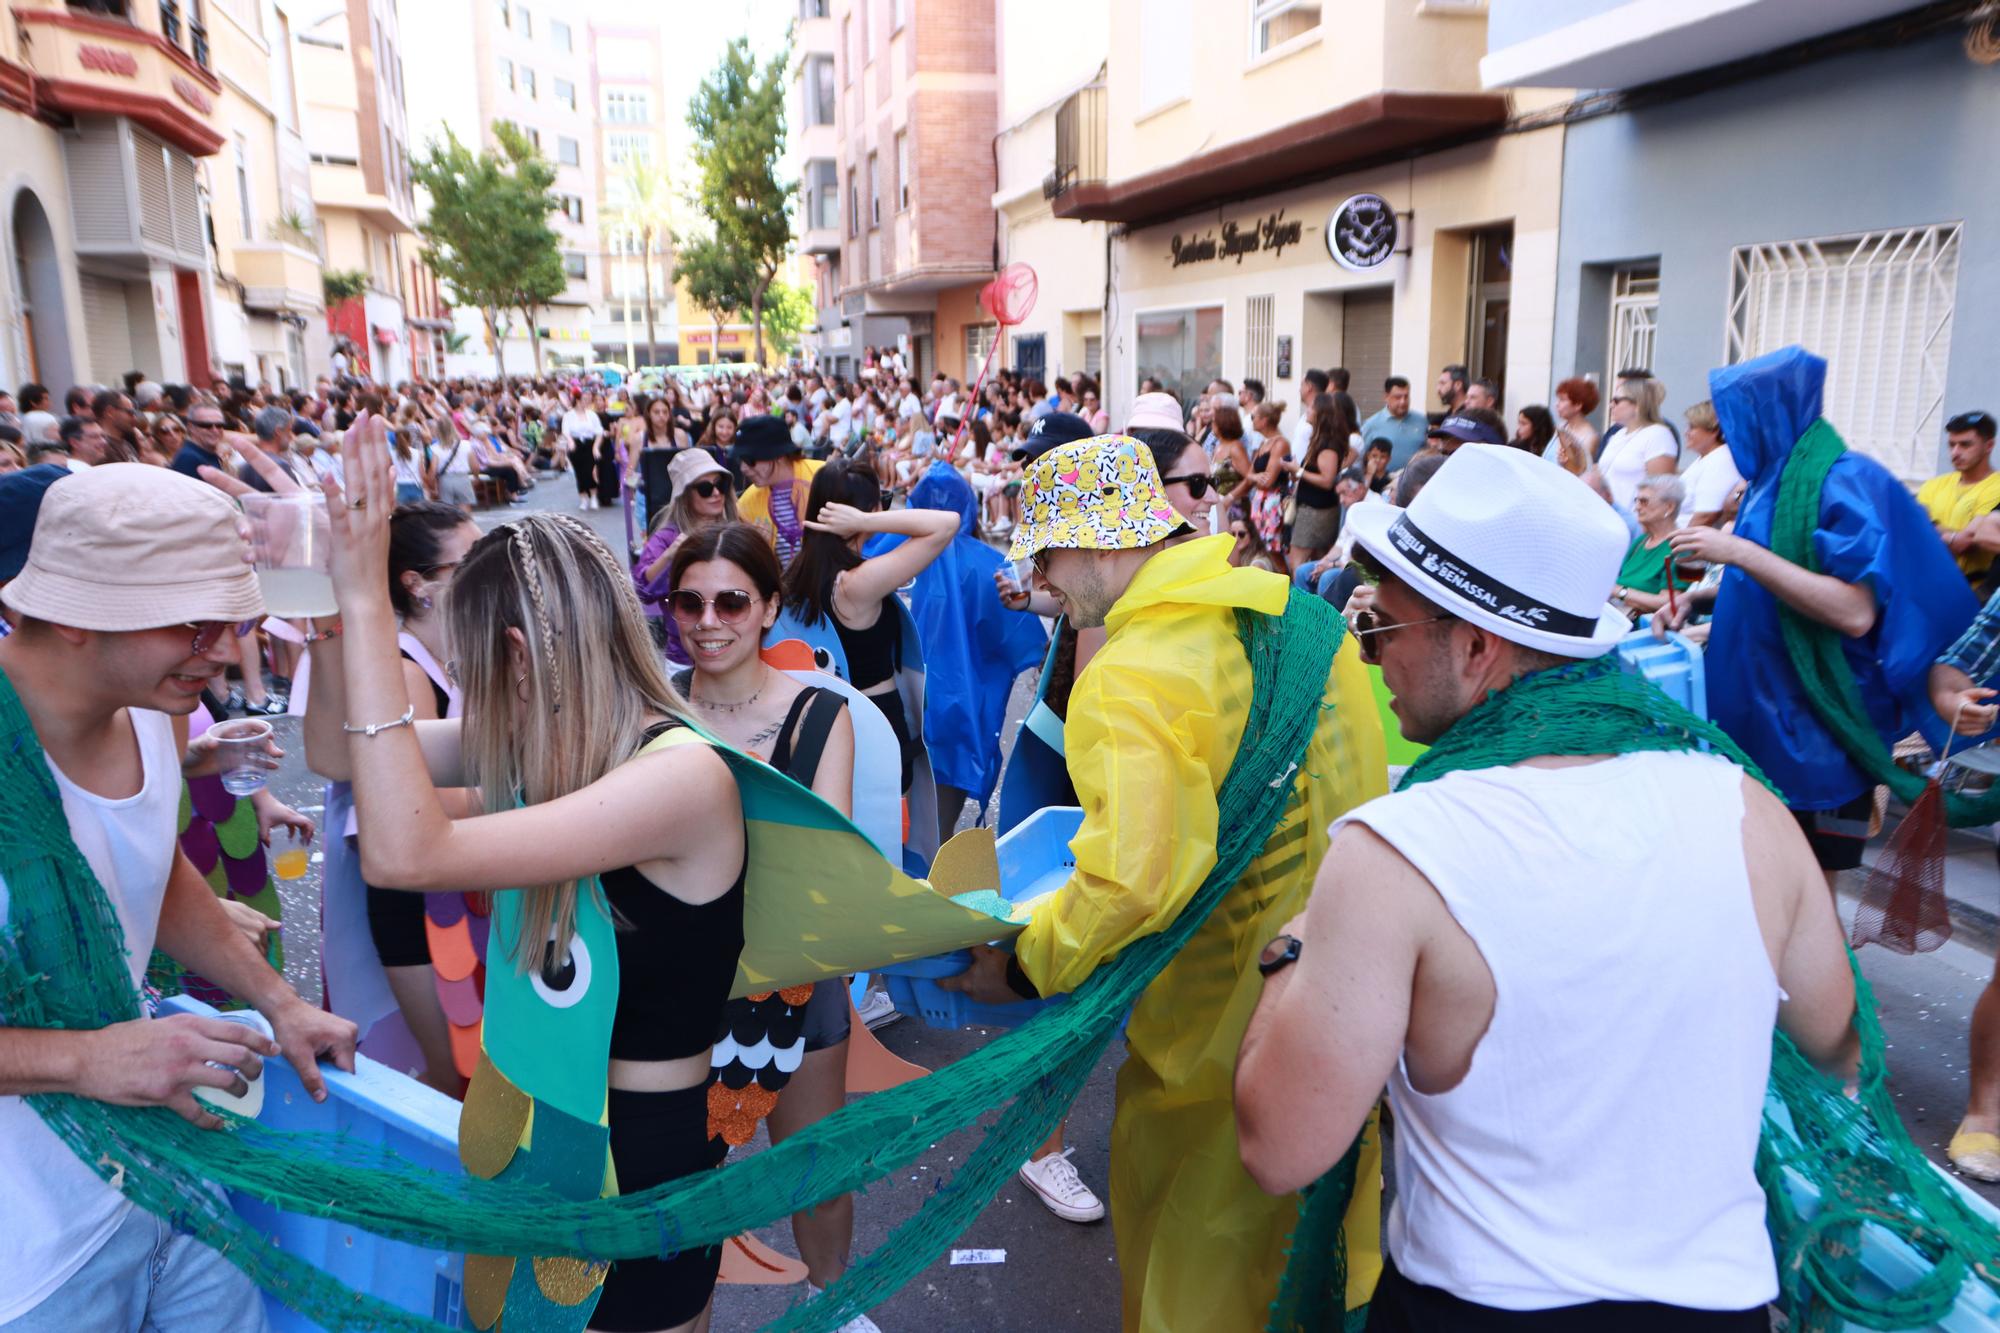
[(1378, 128)]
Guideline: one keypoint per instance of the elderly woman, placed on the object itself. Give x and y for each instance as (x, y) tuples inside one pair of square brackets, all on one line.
[(1642, 581), (1713, 476)]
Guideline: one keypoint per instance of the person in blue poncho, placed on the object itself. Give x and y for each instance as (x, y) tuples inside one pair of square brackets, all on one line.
[(1884, 581), (973, 648)]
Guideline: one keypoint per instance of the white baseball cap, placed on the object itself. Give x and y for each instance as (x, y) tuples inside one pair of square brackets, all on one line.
[(1508, 542)]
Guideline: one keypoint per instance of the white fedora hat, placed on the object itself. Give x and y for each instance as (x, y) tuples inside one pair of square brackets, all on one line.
[(1507, 542)]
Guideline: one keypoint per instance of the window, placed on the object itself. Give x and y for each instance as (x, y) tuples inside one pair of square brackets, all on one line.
[(243, 188), (1275, 22), (506, 14), (535, 138), (1635, 314), (527, 81), (621, 147), (559, 35), (902, 170), (628, 106), (853, 207), (978, 345), (822, 196), (896, 14), (1093, 355), (567, 152), (874, 194), (1031, 356), (1182, 349), (1260, 350), (566, 93), (572, 207), (813, 9), (819, 90), (1879, 307), (847, 50), (527, 23), (575, 265), (507, 73)]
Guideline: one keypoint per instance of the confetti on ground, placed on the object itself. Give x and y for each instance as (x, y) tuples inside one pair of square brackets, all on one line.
[(978, 1257)]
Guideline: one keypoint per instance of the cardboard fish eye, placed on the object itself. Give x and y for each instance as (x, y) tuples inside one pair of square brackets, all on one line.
[(251, 1103)]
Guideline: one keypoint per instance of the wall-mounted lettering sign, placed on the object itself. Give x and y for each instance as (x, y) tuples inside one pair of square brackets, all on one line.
[(1234, 240)]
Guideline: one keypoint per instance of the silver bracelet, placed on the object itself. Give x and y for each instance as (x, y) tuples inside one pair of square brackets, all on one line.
[(408, 719)]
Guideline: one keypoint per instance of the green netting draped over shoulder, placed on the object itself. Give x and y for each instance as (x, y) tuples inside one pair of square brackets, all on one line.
[(63, 965), (1815, 650), (1847, 1145)]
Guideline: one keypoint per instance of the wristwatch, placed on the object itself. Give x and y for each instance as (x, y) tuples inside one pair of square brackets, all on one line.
[(1618, 595), (1279, 954)]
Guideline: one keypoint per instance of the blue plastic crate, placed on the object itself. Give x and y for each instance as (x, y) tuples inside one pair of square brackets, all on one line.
[(1034, 859), (377, 1106), (1674, 664)]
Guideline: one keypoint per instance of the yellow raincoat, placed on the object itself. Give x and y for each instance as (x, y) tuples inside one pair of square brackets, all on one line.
[(1154, 722), (754, 505)]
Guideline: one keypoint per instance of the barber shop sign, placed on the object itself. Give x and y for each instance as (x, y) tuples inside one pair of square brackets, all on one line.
[(1362, 233)]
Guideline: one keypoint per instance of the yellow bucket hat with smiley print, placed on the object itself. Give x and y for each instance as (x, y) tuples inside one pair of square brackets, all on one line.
[(1099, 494)]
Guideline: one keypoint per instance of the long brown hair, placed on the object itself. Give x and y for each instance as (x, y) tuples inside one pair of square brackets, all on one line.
[(593, 679), (1333, 427)]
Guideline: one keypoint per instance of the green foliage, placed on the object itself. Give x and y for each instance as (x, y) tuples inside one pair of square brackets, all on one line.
[(291, 226), (738, 119), (455, 341), (716, 278), (343, 284), (642, 206), (788, 310), (487, 234)]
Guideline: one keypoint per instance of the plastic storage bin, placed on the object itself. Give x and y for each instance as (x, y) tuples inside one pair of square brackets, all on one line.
[(1034, 859), (1673, 664), (380, 1107)]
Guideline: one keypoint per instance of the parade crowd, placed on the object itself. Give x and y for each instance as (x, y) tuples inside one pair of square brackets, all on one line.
[(1481, 974)]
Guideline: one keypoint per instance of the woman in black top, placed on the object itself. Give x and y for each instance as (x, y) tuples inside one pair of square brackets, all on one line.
[(725, 582), (562, 690), (1317, 520), (829, 580)]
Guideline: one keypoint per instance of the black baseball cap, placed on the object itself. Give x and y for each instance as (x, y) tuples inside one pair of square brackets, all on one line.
[(1467, 430), (1051, 429)]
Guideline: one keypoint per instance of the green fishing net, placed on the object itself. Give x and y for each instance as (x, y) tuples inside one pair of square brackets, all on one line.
[(63, 965)]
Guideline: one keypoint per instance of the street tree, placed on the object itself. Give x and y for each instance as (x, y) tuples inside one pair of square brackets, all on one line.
[(642, 204), (738, 119), (788, 309), (717, 280), (486, 232)]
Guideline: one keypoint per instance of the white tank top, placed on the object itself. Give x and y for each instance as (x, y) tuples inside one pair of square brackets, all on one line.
[(1601, 1147)]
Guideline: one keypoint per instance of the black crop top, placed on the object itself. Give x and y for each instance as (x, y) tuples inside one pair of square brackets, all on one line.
[(676, 963), (873, 654)]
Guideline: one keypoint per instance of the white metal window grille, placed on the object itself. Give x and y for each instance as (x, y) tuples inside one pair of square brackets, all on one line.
[(1275, 22), (1635, 317), (978, 342), (1260, 352), (1878, 306), (1093, 355)]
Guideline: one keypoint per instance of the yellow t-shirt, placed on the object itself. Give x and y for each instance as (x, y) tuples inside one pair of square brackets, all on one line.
[(1952, 505)]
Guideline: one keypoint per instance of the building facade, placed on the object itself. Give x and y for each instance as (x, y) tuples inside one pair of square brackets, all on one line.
[(104, 121), (915, 92), (635, 194), (1263, 233), (1722, 210), (812, 146)]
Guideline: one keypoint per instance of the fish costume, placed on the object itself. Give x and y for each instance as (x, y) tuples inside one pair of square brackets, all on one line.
[(1154, 722)]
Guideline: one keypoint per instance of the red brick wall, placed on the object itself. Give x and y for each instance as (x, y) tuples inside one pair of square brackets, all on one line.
[(951, 175)]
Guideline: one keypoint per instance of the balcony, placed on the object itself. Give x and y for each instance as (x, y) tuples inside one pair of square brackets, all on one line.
[(87, 63), (278, 277), (1608, 44), (1080, 138)]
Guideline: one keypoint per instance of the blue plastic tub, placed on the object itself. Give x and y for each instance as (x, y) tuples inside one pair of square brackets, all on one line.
[(1673, 664), (1034, 859), (377, 1106)]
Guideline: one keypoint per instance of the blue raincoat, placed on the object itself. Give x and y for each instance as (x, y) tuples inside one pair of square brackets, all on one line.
[(973, 646), (1870, 531)]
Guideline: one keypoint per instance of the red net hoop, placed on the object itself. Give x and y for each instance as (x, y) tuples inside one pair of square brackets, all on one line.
[(1010, 296)]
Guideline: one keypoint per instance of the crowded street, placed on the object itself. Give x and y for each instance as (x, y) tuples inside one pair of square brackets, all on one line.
[(847, 666)]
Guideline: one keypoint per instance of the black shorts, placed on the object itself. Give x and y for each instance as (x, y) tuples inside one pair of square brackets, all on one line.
[(826, 1015), (1837, 836), (657, 1137), (1403, 1306), (396, 924)]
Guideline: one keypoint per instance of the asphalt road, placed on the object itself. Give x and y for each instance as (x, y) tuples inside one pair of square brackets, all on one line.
[(1061, 1276)]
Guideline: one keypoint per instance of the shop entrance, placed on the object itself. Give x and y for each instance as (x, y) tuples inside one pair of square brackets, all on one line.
[(1491, 290)]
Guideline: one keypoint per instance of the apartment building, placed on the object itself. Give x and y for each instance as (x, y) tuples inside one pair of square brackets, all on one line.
[(349, 63), (1815, 174), (630, 138), (916, 95), (1267, 226), (529, 64), (812, 146), (104, 120)]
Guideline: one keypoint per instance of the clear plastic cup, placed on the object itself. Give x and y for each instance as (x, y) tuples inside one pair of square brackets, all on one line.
[(290, 542), (242, 761), (289, 857), (1024, 574)]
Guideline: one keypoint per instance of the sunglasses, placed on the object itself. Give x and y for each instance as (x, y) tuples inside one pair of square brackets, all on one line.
[(204, 425), (1196, 482), (1371, 637), (208, 632), (705, 489), (731, 606)]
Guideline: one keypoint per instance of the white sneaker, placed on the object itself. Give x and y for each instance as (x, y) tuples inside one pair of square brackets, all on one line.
[(861, 1323), (1061, 1190), (878, 1010)]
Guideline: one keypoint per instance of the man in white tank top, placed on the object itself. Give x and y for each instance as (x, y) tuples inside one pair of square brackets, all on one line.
[(125, 610), (1569, 999)]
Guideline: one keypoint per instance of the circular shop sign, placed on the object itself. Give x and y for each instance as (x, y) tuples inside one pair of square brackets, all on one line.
[(1362, 233)]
